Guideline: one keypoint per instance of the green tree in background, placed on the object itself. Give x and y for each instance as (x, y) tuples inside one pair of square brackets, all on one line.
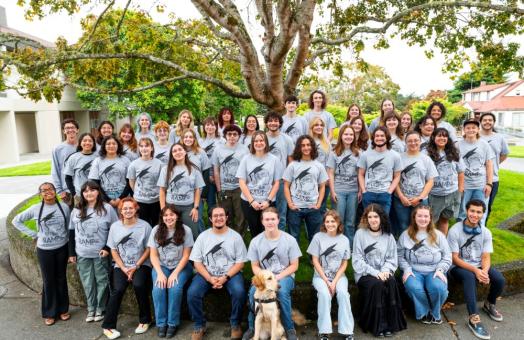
[(469, 80)]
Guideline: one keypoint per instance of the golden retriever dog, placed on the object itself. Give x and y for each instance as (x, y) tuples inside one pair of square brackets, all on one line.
[(267, 314)]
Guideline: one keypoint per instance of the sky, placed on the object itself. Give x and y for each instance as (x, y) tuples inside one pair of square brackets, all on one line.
[(407, 66)]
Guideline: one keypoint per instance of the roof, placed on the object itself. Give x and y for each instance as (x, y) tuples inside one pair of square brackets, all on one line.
[(486, 88), (13, 31), (501, 102)]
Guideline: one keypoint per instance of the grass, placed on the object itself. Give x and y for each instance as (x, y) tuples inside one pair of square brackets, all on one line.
[(35, 169), (516, 151)]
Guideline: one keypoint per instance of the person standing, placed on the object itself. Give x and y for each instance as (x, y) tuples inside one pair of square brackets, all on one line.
[(293, 125), (225, 118), (392, 123), (209, 141), (126, 136), (250, 126), (185, 121), (144, 126), (317, 105), (387, 106), (162, 144), (59, 158), (78, 165), (218, 255), (437, 111)]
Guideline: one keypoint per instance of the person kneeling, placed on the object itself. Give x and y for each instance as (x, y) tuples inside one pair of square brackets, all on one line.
[(471, 245)]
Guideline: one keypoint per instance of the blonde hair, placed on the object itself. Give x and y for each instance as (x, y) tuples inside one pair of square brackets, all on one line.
[(179, 128), (413, 228), (195, 147), (324, 144)]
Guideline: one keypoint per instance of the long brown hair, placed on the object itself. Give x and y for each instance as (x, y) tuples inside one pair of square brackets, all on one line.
[(339, 147), (83, 205), (363, 136), (171, 162), (162, 231), (336, 217), (413, 228), (132, 143), (398, 131), (252, 146)]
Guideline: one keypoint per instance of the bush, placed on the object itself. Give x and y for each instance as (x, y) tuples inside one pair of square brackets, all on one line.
[(455, 113)]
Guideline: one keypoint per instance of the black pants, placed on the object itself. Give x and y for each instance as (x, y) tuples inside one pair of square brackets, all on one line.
[(149, 212), (53, 265), (142, 287), (253, 218)]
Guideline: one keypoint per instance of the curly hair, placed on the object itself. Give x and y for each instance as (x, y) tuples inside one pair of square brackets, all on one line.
[(385, 225), (441, 107), (451, 151), (386, 132), (297, 152), (333, 213), (103, 151), (324, 99)]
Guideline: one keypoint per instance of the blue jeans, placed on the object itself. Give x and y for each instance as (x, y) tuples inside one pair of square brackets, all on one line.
[(281, 205), (313, 220), (381, 198), (469, 282), (402, 215), (346, 206), (345, 317), (492, 196), (323, 206), (167, 301), (286, 285), (198, 289), (470, 194), (437, 290)]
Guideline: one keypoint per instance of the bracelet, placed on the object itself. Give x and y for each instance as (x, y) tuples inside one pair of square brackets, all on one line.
[(253, 200), (490, 184)]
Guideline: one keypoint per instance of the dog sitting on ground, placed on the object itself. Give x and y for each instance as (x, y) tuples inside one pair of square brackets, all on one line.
[(267, 314)]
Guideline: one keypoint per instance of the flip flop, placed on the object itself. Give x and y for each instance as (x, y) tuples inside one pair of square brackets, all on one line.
[(49, 321), (65, 316)]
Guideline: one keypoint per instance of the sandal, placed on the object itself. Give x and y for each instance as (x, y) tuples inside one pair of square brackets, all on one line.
[(65, 316), (49, 321)]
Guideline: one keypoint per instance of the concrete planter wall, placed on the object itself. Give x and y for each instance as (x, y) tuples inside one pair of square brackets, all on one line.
[(217, 305)]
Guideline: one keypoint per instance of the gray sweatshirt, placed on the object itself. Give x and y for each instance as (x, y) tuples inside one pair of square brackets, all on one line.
[(422, 256), (373, 254), (60, 155)]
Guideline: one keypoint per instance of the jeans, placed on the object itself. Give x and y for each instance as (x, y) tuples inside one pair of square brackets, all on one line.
[(494, 192), (281, 205), (470, 194), (286, 285), (381, 198), (469, 282), (198, 289), (345, 317), (437, 290), (167, 301), (402, 215), (346, 206), (185, 211), (94, 274), (313, 220), (323, 206), (53, 265)]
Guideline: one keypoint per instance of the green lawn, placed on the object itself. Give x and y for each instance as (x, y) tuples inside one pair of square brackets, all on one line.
[(41, 168), (516, 151)]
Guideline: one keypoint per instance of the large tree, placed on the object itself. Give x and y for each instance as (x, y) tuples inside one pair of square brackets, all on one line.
[(269, 42)]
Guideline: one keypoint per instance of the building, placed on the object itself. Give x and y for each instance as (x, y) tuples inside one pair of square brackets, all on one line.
[(505, 101), (28, 127)]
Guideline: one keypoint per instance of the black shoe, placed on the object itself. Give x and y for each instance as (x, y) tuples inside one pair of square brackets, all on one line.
[(478, 329), (348, 337), (436, 321), (380, 335), (171, 330), (426, 319), (323, 336), (388, 334), (162, 331)]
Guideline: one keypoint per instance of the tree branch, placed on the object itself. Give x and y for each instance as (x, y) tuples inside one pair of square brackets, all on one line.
[(225, 54), (95, 26), (117, 31)]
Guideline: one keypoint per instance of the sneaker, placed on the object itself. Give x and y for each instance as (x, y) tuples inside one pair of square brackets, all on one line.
[(171, 330), (388, 334), (111, 333), (291, 334), (436, 321), (380, 335), (248, 335), (348, 337), (236, 333), (90, 317), (323, 336), (198, 334), (426, 319), (162, 331), (492, 311), (141, 328), (477, 327), (99, 316)]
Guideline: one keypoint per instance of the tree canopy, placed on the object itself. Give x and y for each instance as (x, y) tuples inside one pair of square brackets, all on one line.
[(259, 49)]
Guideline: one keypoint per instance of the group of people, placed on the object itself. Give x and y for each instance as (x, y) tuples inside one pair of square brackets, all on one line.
[(131, 211)]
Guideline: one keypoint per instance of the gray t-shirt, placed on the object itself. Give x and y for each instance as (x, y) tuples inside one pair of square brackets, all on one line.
[(227, 160), (422, 256), (162, 152), (346, 171), (78, 167), (130, 242), (274, 255), (470, 247), (111, 173), (327, 117), (379, 167), (447, 180), (145, 174), (171, 254), (200, 160), (245, 140), (92, 231), (331, 251), (209, 145), (294, 127), (416, 171), (424, 142), (219, 252), (281, 147), (131, 155), (323, 154), (373, 254), (305, 177), (500, 147), (180, 189), (174, 138), (148, 134), (59, 158), (451, 129), (52, 230), (259, 173), (374, 124), (475, 156), (398, 144)]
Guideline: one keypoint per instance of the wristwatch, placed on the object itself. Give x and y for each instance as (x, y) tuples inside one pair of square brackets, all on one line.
[(227, 277)]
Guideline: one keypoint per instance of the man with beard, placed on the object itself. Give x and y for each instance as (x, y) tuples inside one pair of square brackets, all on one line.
[(500, 148), (218, 255), (60, 155), (471, 247)]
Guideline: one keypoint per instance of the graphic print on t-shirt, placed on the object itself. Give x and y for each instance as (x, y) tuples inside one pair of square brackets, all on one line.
[(229, 168), (162, 156), (83, 172), (345, 169), (270, 262), (112, 180), (330, 261), (372, 254), (145, 181), (290, 129), (170, 253), (377, 173), (470, 250), (411, 181), (217, 260), (209, 149), (87, 227), (446, 174), (421, 254), (180, 186), (261, 179), (49, 223), (304, 185), (474, 164), (128, 250)]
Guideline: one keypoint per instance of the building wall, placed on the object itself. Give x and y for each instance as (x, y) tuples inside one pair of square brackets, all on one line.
[(26, 132), (518, 91), (8, 137)]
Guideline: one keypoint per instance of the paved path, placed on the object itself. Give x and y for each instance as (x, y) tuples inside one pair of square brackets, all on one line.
[(15, 189)]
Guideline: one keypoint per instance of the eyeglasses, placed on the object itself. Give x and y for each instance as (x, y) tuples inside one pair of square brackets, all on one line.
[(47, 190)]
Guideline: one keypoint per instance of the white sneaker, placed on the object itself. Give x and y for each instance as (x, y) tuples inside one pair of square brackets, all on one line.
[(99, 317), (90, 317), (142, 328), (111, 333)]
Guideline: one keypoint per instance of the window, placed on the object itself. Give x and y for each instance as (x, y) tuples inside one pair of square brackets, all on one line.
[(518, 119), (500, 119)]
